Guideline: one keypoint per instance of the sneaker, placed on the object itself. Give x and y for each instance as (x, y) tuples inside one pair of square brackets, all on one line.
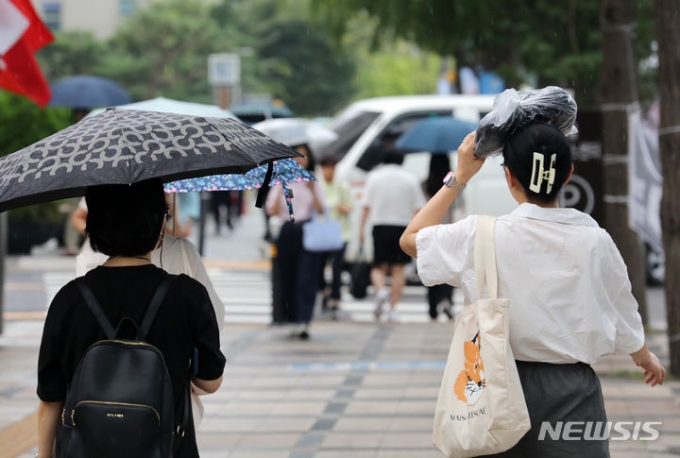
[(380, 298), (304, 334), (295, 330), (334, 312), (446, 307), (393, 316)]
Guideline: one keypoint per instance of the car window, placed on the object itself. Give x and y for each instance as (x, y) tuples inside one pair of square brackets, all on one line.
[(387, 138), (349, 125)]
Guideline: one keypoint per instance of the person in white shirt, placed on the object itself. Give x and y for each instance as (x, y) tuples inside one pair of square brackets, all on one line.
[(570, 296), (392, 197)]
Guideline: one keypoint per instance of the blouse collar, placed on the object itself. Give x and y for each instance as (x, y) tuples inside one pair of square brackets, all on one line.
[(557, 215)]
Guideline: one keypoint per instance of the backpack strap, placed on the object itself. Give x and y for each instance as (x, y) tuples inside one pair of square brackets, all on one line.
[(154, 305), (96, 309), (103, 320)]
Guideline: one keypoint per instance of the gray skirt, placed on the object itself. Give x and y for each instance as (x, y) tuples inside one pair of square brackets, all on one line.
[(555, 395)]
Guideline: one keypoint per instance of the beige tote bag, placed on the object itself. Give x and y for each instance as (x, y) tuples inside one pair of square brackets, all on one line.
[(481, 408)]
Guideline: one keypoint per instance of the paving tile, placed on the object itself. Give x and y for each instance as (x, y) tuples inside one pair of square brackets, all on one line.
[(327, 399), (363, 424), (352, 441), (265, 439)]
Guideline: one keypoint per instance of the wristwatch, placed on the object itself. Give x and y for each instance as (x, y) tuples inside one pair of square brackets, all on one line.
[(450, 182)]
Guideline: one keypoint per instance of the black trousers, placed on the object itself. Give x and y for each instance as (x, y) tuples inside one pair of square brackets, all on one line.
[(298, 275), (437, 294)]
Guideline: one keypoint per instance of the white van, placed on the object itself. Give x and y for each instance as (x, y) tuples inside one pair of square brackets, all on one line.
[(367, 127)]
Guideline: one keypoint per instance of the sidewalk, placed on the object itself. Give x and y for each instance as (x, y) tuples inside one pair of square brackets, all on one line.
[(354, 390)]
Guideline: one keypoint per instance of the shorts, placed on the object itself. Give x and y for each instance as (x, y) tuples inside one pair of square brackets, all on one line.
[(386, 247)]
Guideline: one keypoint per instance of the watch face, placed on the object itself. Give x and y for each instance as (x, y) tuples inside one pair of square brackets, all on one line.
[(448, 178)]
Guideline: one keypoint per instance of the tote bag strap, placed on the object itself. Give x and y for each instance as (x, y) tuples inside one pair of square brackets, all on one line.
[(485, 256)]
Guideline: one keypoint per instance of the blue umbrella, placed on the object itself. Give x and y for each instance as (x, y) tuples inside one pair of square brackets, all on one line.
[(285, 171), (435, 135), (87, 91)]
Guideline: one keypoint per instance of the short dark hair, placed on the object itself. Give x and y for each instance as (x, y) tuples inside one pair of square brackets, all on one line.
[(125, 220), (328, 160), (528, 146), (393, 156)]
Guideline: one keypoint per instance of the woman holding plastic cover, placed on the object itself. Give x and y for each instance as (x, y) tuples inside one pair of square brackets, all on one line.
[(570, 297), (126, 223)]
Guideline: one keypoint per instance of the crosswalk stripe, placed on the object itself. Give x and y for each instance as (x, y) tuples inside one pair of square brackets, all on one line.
[(247, 297)]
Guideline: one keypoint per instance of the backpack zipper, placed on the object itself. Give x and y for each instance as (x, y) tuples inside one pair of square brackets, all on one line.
[(127, 404)]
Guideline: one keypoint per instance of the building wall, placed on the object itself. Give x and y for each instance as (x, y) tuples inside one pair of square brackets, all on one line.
[(100, 17)]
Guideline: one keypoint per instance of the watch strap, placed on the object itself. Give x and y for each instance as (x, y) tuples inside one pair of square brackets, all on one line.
[(450, 182)]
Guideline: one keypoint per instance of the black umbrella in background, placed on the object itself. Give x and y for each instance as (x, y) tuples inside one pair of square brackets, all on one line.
[(84, 92), (128, 146)]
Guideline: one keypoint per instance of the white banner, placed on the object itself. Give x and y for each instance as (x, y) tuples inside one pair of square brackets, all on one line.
[(644, 180)]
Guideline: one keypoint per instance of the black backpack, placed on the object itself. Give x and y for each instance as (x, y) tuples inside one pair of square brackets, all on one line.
[(120, 400)]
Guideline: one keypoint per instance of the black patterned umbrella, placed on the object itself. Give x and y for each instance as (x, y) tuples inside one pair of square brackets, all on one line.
[(128, 146)]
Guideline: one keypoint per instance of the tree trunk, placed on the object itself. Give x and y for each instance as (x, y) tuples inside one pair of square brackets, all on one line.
[(668, 37), (618, 92)]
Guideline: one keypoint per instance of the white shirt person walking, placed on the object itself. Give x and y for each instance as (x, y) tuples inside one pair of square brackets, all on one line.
[(393, 196)]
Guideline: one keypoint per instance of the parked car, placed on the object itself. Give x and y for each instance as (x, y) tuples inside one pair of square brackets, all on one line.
[(367, 128)]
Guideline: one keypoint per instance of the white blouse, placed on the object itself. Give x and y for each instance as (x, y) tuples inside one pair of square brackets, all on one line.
[(570, 296)]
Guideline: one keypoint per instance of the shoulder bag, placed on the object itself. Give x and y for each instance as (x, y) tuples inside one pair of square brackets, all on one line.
[(481, 408), (322, 234)]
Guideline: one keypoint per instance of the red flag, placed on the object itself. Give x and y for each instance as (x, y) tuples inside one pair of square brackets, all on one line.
[(19, 69)]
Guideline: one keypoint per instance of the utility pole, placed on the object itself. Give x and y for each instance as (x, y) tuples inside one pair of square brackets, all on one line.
[(619, 95), (668, 36)]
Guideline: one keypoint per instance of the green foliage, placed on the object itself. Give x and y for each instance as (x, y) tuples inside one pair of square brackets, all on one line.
[(316, 79), (164, 50), (400, 72), (21, 124), (558, 42), (71, 53)]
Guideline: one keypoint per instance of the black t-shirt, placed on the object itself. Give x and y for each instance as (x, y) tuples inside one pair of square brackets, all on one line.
[(186, 320)]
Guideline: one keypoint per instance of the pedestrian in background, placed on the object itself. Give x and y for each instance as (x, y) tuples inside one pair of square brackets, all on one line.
[(339, 207), (570, 296), (298, 269), (219, 200), (439, 297), (392, 197)]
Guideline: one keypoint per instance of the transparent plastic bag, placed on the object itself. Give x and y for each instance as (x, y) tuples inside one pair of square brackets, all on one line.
[(513, 109)]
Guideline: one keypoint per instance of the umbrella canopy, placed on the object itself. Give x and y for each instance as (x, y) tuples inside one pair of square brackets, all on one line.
[(436, 135), (297, 131), (174, 106), (87, 91), (285, 171), (128, 146)]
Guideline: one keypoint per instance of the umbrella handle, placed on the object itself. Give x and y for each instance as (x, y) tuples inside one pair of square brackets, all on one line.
[(264, 189), (288, 193)]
